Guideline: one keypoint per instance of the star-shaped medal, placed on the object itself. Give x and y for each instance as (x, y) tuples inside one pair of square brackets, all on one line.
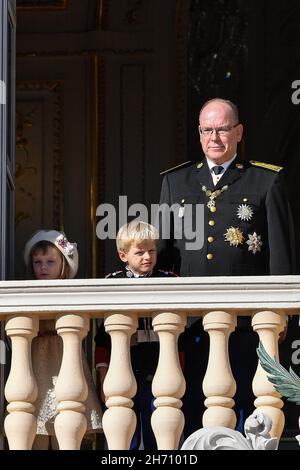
[(254, 242), (234, 236), (244, 212)]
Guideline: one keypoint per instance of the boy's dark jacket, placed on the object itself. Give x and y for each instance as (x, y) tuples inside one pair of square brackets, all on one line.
[(144, 355)]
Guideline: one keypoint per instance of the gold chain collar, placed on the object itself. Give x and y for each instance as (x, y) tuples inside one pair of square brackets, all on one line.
[(212, 195)]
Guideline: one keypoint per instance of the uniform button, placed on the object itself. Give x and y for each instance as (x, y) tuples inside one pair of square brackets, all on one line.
[(213, 209), (210, 239), (245, 199), (211, 223), (209, 256)]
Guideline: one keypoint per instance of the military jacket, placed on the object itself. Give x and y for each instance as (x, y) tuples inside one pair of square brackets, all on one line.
[(144, 346), (126, 273), (244, 222)]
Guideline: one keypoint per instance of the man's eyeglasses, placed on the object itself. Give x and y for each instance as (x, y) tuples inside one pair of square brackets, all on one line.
[(219, 130)]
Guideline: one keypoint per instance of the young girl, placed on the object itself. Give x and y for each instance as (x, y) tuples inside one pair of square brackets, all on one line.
[(49, 255)]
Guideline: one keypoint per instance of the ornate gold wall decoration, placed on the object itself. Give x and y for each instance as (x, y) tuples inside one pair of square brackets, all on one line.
[(101, 10), (39, 155), (24, 168), (128, 14), (55, 87), (182, 17), (46, 5), (97, 181)]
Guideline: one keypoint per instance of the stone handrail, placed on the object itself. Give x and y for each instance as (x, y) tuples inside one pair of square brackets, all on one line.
[(268, 299)]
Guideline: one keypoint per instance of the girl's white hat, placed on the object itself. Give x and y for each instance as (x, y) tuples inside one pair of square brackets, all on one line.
[(58, 239)]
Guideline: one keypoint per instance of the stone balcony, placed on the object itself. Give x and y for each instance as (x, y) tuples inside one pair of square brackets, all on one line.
[(169, 301)]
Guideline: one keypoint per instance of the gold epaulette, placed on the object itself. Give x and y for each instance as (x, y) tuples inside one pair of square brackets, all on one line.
[(176, 167), (268, 166)]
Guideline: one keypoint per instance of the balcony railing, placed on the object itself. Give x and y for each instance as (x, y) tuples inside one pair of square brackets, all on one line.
[(169, 301)]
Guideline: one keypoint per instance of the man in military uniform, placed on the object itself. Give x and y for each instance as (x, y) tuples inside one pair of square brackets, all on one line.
[(247, 222), (246, 229)]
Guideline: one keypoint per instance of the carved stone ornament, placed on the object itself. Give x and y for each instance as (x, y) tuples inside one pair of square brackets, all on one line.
[(287, 383), (256, 428)]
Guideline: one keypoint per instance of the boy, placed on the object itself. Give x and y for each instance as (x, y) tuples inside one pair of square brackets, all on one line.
[(136, 245)]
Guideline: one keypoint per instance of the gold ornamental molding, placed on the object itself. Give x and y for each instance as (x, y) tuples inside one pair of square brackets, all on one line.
[(97, 181), (101, 10), (36, 5), (55, 87), (38, 85), (181, 26)]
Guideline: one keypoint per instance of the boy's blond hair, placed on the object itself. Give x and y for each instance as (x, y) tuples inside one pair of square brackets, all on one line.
[(135, 232)]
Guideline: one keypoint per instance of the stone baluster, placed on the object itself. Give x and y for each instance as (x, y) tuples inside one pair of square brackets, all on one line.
[(21, 388), (168, 384), (71, 387), (219, 385), (119, 420), (268, 325)]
